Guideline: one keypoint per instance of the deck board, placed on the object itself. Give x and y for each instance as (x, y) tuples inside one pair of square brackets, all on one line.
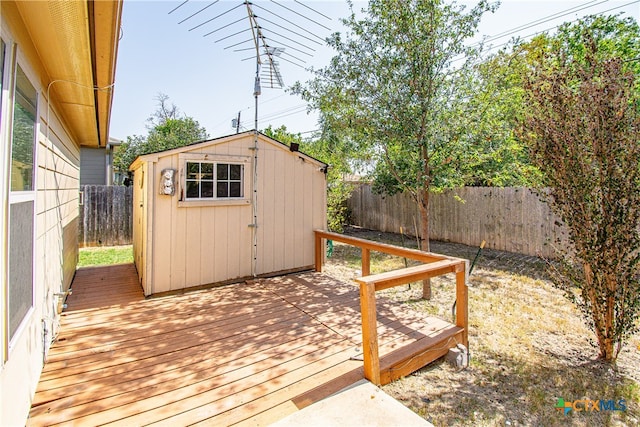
[(247, 354)]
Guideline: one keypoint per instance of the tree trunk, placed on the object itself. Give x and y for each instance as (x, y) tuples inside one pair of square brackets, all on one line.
[(424, 237), (603, 314)]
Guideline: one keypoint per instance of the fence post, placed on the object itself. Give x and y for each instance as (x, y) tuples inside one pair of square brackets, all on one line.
[(366, 262), (462, 305), (318, 251), (369, 332)]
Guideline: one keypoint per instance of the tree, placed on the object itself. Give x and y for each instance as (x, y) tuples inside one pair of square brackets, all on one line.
[(499, 158), (392, 89), (167, 130), (338, 190), (583, 130)]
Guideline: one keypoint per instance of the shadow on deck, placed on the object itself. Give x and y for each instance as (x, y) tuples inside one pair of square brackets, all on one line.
[(249, 353)]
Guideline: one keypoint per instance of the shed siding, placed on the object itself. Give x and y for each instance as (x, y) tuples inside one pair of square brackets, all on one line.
[(199, 245)]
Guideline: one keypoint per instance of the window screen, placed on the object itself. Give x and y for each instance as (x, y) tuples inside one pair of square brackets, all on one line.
[(20, 263)]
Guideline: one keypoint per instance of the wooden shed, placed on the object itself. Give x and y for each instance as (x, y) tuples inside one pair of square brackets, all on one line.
[(224, 210)]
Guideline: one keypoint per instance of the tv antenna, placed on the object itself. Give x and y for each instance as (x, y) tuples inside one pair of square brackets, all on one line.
[(281, 33)]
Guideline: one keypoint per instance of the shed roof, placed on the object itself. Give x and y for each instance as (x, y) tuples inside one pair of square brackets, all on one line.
[(220, 140)]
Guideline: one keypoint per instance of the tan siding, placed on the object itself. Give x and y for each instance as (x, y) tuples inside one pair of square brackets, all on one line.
[(298, 220), (56, 251), (149, 225), (138, 256), (58, 178), (162, 233), (220, 238), (307, 216), (288, 237), (265, 207), (193, 246), (237, 256), (207, 248), (179, 249), (280, 211), (197, 245)]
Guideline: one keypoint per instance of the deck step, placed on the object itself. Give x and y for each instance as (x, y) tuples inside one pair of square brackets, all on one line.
[(410, 358)]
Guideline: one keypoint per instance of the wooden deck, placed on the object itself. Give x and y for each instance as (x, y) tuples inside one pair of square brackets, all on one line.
[(248, 353)]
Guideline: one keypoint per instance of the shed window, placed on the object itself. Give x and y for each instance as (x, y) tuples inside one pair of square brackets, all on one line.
[(210, 181)]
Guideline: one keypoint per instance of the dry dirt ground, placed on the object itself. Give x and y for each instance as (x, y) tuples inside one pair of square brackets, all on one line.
[(528, 346)]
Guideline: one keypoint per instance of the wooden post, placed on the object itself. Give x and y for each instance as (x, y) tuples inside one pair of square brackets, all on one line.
[(369, 332), (426, 289), (462, 305), (366, 262), (319, 253)]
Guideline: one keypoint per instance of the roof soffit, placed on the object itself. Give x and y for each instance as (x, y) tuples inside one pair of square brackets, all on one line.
[(77, 55)]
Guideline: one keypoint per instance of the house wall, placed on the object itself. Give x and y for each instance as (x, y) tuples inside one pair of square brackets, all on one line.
[(56, 181), (94, 166), (192, 245)]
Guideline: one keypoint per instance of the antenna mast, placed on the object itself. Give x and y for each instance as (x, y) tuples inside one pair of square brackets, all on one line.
[(265, 57)]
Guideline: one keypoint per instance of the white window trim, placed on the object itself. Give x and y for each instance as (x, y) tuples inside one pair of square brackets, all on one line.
[(245, 161), (21, 196)]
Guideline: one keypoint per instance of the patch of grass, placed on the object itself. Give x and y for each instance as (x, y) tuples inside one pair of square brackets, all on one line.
[(105, 255)]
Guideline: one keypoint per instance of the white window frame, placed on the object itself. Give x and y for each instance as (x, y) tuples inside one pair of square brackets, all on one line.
[(13, 59), (243, 161)]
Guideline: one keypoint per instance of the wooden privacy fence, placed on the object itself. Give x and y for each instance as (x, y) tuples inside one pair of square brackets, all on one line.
[(106, 216), (510, 219)]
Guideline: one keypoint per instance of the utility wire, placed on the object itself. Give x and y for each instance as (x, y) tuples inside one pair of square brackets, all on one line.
[(290, 110), (515, 30), (551, 18), (545, 19)]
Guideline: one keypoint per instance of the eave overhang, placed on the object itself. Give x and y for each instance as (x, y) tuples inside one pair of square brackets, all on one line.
[(77, 44)]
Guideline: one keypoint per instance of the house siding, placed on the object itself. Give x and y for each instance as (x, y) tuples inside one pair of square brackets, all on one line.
[(56, 208), (94, 169)]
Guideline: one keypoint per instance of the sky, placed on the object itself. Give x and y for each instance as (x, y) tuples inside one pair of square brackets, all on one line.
[(162, 51)]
